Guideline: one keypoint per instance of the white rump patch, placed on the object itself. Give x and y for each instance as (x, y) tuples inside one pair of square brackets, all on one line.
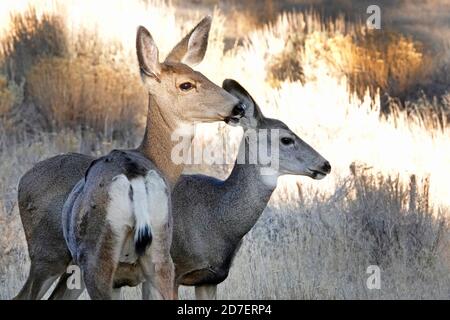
[(145, 207), (157, 200), (120, 211)]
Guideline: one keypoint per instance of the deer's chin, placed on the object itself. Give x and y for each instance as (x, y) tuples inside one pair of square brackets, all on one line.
[(316, 174), (233, 121)]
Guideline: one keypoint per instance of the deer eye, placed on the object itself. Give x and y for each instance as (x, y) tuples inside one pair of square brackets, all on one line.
[(186, 86), (287, 141)]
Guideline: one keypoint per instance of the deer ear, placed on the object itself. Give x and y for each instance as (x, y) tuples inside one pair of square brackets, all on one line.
[(191, 50), (252, 111), (147, 54)]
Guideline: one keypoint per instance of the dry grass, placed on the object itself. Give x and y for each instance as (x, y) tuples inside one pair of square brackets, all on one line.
[(74, 92), (371, 60), (6, 97), (315, 246), (320, 247), (30, 37), (323, 79), (71, 82), (11, 95)]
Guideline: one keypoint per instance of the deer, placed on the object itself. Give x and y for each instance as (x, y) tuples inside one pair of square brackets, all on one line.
[(212, 216), (121, 201)]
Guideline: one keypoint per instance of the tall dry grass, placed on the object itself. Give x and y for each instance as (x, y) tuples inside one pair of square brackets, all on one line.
[(31, 37), (74, 92), (6, 97), (323, 79), (321, 247), (309, 245)]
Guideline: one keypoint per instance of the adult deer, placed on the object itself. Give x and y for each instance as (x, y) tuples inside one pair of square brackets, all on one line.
[(212, 216), (178, 97)]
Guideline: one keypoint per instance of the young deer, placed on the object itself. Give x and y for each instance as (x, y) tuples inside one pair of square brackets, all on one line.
[(212, 216), (121, 188)]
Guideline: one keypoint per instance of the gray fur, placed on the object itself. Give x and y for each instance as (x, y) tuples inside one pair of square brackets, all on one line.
[(41, 198)]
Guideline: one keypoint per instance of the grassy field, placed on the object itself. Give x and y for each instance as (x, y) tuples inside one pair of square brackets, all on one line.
[(373, 102)]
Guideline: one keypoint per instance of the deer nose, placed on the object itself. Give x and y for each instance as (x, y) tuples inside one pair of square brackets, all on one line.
[(239, 110), (326, 167)]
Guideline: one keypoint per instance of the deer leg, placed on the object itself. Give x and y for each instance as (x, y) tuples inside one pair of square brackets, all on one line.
[(25, 292), (164, 277), (175, 292), (99, 284), (35, 287), (206, 292), (158, 268), (150, 292), (99, 271), (159, 274), (117, 294), (37, 284), (157, 262)]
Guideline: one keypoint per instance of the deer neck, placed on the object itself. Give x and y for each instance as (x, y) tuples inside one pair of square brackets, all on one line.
[(248, 193), (158, 142)]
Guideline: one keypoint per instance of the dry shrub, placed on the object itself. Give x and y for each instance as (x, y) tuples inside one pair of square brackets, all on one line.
[(388, 61), (29, 38), (89, 46), (6, 97), (249, 15), (397, 219), (244, 21), (70, 82), (374, 60), (321, 247), (10, 96), (287, 66), (432, 113), (74, 92)]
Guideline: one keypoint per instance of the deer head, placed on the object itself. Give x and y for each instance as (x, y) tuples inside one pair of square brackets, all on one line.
[(184, 95), (293, 155)]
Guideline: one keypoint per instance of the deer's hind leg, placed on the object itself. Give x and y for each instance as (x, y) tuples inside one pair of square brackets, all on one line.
[(157, 263), (37, 284), (99, 270), (103, 248), (206, 292), (49, 256)]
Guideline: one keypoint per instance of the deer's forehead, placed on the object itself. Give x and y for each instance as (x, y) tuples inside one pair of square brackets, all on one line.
[(182, 70), (270, 124)]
